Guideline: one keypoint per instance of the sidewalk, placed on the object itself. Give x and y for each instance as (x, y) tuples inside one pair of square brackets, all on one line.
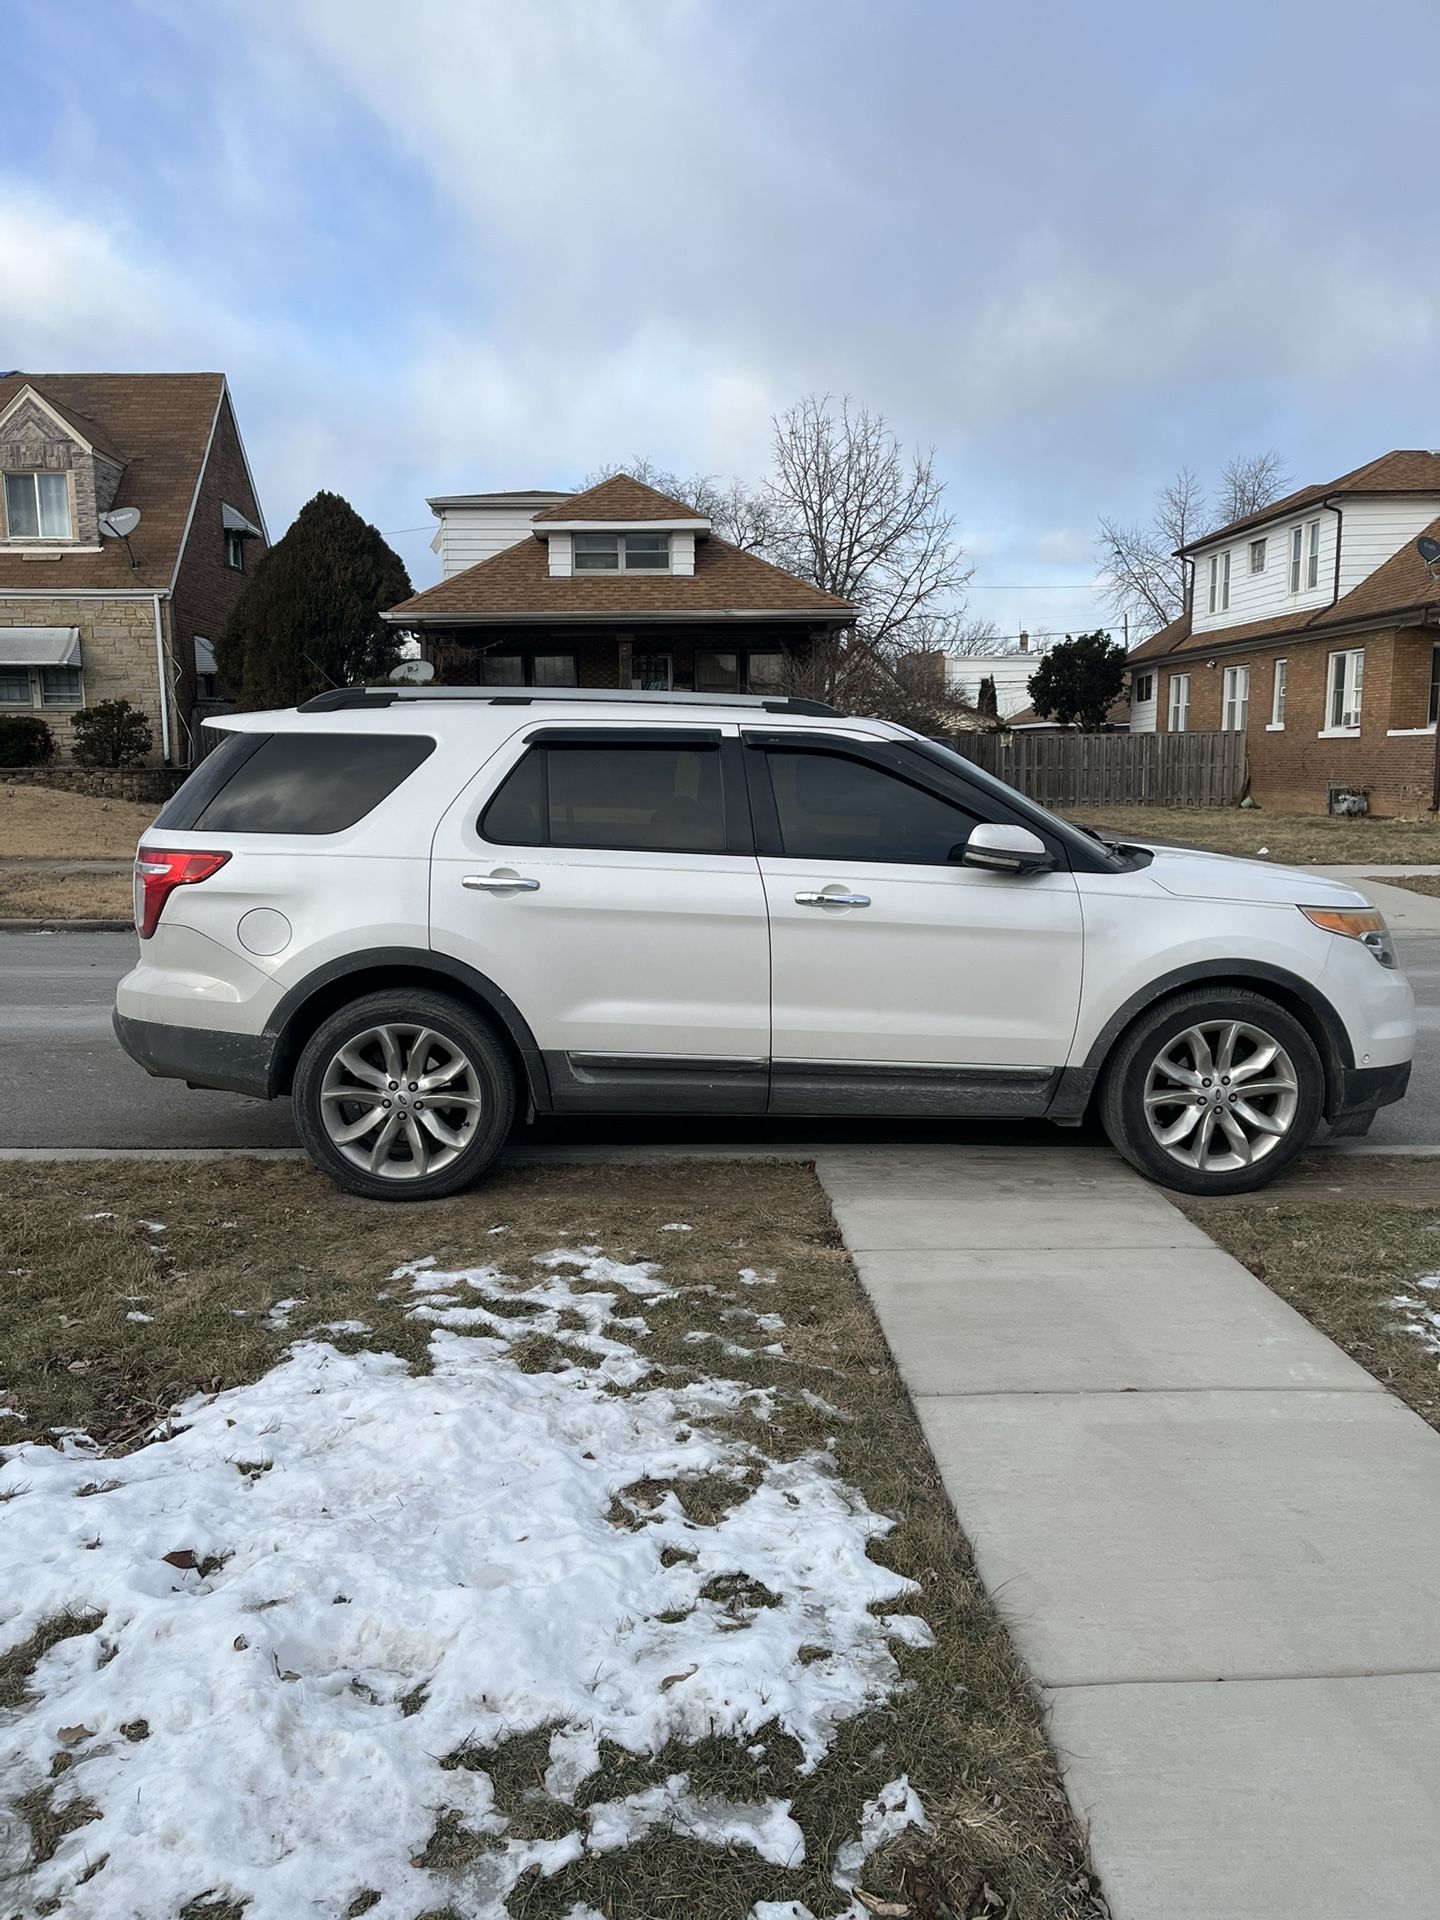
[(1214, 1537)]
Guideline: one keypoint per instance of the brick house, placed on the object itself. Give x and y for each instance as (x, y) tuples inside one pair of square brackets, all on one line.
[(1314, 628), (87, 614), (617, 586)]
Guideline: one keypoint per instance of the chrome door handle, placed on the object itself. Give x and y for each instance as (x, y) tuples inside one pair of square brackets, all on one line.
[(832, 899), (499, 883)]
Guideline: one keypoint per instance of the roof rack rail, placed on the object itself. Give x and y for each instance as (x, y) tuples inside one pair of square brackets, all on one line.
[(337, 699)]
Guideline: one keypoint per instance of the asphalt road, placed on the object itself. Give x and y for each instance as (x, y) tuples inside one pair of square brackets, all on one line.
[(65, 1083)]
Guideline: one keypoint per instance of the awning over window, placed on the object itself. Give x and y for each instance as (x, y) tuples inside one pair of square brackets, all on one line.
[(39, 646), (204, 656), (234, 521)]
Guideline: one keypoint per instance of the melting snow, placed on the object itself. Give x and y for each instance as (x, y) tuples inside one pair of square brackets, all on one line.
[(1419, 1318), (329, 1581)]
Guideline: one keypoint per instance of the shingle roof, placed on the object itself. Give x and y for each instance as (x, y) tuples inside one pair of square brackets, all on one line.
[(1401, 589), (1407, 470), (159, 425), (516, 582), (621, 499)]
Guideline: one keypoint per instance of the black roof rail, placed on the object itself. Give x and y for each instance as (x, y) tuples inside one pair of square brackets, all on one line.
[(338, 699)]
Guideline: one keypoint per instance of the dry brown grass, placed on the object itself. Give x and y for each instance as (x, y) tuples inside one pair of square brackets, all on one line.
[(1340, 1240), (241, 1235), (1290, 839), (31, 894), (42, 823), (1415, 882)]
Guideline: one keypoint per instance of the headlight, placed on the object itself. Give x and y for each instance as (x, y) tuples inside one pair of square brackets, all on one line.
[(1365, 924)]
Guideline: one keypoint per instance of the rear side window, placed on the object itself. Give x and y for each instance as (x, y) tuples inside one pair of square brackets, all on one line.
[(660, 799), (294, 782), (833, 808)]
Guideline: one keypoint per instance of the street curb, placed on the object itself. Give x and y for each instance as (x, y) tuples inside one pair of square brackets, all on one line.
[(67, 926), (1375, 1150)]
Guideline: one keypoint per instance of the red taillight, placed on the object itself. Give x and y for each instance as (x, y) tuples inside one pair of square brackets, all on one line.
[(158, 873)]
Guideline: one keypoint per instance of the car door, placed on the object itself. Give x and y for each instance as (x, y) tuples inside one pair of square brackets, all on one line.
[(903, 981), (605, 879)]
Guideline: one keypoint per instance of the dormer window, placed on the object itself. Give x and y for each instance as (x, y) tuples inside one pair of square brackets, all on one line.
[(622, 552), (37, 506)]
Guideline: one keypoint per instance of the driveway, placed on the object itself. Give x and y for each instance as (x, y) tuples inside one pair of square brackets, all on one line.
[(65, 1083)]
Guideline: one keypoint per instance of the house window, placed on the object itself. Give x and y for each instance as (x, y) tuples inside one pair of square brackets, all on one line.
[(60, 687), (717, 672), (553, 670), (1144, 688), (758, 672), (502, 670), (653, 672), (1236, 699), (234, 550), (37, 506), (1179, 720), (1434, 719), (15, 687), (1277, 694), (621, 552), (1220, 582), (1305, 556), (1257, 556), (765, 673), (1346, 685), (536, 670)]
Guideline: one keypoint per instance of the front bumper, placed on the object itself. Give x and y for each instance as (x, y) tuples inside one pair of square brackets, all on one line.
[(201, 1057), (1360, 1092)]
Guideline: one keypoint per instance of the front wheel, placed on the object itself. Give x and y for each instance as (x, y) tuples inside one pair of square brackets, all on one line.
[(403, 1095), (1213, 1093)]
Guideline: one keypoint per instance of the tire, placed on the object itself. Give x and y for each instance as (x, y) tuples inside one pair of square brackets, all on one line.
[(429, 1076), (1166, 1053)]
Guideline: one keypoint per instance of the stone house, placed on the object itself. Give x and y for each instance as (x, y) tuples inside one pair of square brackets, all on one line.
[(617, 586), (128, 523), (1313, 627)]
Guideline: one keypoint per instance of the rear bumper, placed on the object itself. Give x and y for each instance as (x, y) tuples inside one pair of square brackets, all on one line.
[(201, 1057)]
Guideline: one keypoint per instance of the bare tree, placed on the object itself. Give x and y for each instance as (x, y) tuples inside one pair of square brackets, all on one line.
[(1249, 482), (1143, 575)]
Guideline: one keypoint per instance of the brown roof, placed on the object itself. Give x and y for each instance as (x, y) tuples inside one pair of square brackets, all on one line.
[(1412, 470), (517, 583), (1117, 714), (621, 499), (1401, 590), (159, 425)]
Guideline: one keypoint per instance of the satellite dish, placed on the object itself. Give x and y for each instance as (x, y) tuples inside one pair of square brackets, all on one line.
[(1428, 549), (120, 523), (412, 673)]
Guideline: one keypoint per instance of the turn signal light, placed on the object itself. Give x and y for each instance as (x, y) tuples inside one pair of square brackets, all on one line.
[(1365, 924), (157, 874)]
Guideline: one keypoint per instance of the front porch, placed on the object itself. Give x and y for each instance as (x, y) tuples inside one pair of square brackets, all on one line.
[(710, 657)]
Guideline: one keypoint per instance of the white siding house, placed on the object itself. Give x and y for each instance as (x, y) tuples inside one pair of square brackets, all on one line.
[(1010, 671), (475, 526)]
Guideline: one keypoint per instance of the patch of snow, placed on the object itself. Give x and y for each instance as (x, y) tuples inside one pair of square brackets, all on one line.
[(1419, 1318), (278, 1318), (99, 1216), (141, 1319), (896, 1807), (676, 1226), (748, 1277), (152, 1226), (463, 1517), (342, 1326)]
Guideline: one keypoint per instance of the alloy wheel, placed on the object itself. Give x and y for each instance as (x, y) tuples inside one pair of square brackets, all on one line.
[(1221, 1095), (400, 1102)]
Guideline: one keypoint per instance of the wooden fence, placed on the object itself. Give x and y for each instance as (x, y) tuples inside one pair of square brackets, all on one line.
[(1069, 770)]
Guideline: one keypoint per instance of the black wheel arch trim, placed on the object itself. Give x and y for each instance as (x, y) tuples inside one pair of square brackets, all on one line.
[(442, 967), (1337, 1056)]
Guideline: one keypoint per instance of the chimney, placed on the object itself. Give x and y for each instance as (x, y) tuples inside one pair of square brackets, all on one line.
[(1024, 643)]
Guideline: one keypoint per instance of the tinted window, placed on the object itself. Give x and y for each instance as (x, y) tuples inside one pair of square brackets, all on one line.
[(306, 782), (661, 799), (832, 808), (215, 771)]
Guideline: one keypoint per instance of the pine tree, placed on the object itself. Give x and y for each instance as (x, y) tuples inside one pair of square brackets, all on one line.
[(987, 701), (309, 618), (1077, 682)]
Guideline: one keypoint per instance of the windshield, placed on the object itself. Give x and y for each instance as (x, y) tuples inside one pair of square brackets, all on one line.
[(1079, 840)]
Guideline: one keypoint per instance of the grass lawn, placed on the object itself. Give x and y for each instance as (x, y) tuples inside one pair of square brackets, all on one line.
[(28, 894), (1289, 839), (775, 1622), (1355, 1247), (42, 823), (1428, 883)]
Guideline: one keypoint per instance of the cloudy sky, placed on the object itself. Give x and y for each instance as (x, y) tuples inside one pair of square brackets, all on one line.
[(464, 244)]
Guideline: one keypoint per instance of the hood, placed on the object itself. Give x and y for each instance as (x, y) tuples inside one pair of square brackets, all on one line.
[(1193, 875)]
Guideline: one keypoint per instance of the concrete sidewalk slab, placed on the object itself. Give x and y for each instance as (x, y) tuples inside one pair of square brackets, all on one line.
[(1094, 1320), (1262, 1800), (1200, 1536)]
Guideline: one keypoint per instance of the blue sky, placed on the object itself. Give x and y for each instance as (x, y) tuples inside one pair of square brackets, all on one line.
[(456, 244)]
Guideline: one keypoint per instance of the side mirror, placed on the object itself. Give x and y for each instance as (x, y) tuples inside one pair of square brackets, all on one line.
[(1003, 849)]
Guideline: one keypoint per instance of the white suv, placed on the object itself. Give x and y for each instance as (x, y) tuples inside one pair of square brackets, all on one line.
[(419, 912)]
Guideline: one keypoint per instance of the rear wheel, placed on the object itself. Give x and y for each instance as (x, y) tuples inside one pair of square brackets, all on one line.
[(403, 1096), (1213, 1092)]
